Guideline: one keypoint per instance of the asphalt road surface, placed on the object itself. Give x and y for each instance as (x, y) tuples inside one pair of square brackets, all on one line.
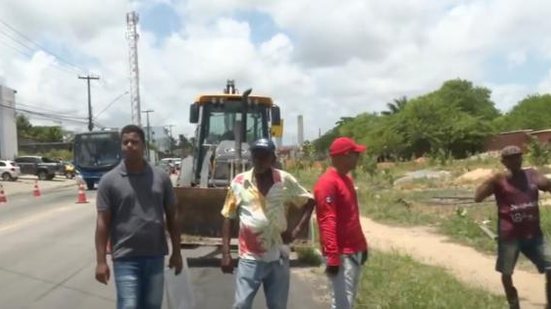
[(47, 260)]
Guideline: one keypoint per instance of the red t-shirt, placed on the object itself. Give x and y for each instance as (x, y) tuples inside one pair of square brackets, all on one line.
[(338, 216), (518, 211)]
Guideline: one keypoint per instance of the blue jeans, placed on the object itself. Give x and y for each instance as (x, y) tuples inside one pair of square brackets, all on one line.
[(536, 250), (140, 282), (273, 275), (345, 283)]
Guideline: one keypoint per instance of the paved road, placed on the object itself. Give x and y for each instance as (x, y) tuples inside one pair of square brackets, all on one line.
[(47, 261)]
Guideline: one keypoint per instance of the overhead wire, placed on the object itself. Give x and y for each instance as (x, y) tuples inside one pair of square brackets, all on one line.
[(110, 104), (26, 51), (37, 45), (68, 113), (47, 115)]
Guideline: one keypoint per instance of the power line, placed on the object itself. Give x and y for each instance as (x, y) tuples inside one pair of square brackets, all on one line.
[(45, 110), (27, 52), (39, 46), (17, 49), (111, 103), (46, 115), (42, 113)]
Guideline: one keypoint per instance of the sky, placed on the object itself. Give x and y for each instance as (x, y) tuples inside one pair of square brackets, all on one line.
[(322, 59)]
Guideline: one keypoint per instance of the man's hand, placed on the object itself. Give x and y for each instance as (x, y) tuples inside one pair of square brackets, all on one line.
[(102, 273), (332, 270), (364, 257), (176, 262), (226, 264)]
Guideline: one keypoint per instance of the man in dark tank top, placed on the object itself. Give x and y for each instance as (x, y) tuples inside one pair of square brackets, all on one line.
[(516, 191)]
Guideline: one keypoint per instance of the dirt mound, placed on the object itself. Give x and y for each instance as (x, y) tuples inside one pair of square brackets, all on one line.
[(420, 175), (478, 174)]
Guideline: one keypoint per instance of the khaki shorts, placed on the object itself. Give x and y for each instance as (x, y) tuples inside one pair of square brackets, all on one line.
[(536, 250)]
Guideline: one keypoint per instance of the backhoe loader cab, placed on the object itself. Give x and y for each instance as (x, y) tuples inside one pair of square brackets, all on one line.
[(226, 124)]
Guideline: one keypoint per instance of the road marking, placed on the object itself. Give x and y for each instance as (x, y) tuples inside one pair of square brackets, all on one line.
[(35, 218)]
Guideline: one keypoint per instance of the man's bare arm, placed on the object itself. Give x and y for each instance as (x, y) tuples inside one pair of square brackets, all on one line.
[(103, 223), (226, 235), (173, 227), (102, 235), (226, 264), (486, 188)]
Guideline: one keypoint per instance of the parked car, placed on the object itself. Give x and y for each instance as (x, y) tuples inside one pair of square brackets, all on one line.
[(9, 170), (42, 167), (170, 165)]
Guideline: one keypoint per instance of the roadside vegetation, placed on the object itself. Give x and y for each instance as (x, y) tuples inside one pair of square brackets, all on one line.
[(393, 280), (445, 204)]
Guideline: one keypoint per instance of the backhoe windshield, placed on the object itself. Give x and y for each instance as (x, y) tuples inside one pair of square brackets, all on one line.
[(222, 123)]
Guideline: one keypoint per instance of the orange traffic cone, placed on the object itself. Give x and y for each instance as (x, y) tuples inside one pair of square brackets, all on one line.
[(36, 190), (3, 198), (81, 198)]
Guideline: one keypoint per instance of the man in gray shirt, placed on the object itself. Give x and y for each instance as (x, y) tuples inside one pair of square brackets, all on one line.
[(134, 200)]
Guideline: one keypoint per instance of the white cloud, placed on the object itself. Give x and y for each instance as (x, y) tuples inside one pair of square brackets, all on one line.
[(330, 59), (508, 95), (516, 58)]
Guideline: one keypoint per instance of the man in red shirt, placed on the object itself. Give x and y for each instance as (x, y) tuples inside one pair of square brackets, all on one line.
[(342, 240), (517, 192)]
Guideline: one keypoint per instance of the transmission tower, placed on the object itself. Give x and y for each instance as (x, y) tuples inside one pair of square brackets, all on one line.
[(132, 37)]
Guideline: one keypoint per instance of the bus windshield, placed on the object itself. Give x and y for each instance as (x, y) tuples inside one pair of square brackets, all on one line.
[(97, 150)]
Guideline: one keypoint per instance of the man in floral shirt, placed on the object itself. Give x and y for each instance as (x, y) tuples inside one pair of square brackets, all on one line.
[(258, 198)]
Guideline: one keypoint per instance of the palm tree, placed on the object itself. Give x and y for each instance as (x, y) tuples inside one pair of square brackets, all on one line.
[(396, 106)]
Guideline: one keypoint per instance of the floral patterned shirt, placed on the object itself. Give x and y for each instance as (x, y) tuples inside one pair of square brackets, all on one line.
[(262, 219)]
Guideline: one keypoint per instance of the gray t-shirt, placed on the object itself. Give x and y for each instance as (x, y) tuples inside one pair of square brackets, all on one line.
[(137, 204)]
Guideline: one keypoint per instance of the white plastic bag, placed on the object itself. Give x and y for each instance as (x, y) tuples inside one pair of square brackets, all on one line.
[(178, 289)]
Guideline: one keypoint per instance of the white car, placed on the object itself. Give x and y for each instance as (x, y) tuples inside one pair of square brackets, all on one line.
[(9, 170), (169, 164)]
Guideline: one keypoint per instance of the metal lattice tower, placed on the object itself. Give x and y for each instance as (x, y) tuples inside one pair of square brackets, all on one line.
[(132, 37)]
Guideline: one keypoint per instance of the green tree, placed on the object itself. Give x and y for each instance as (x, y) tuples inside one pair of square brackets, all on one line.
[(533, 112), (24, 126), (431, 125), (42, 134), (472, 100), (396, 106), (453, 120), (47, 134), (321, 144)]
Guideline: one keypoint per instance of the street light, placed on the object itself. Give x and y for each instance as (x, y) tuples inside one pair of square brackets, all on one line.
[(148, 133)]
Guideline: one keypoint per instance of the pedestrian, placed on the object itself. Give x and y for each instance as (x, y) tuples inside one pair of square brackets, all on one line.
[(134, 200), (257, 198), (518, 226), (343, 243)]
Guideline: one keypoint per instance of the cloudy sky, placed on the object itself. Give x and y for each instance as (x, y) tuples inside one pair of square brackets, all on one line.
[(323, 59)]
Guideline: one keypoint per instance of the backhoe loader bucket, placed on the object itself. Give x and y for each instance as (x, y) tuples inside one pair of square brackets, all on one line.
[(199, 213), (200, 219)]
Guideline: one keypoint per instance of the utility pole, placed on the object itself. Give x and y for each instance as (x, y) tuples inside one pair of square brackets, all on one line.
[(170, 148), (88, 78), (148, 132)]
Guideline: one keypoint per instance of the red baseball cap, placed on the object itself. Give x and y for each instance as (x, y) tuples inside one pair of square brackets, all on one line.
[(343, 145)]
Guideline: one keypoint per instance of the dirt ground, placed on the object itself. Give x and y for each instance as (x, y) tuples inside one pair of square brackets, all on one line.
[(465, 263)]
